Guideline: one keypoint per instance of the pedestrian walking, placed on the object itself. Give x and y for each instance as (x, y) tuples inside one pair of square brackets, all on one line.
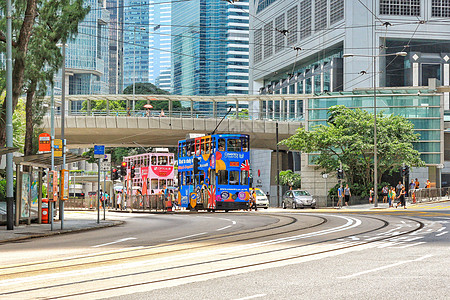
[(119, 200), (253, 201), (347, 194), (417, 184), (384, 193), (402, 199), (391, 197), (340, 196), (398, 188), (371, 195), (412, 187), (428, 184)]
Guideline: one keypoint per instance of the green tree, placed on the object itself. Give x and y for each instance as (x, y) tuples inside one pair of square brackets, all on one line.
[(348, 138), (58, 21), (290, 179)]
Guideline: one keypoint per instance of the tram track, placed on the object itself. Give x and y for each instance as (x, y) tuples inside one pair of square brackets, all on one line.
[(384, 224), (165, 245)]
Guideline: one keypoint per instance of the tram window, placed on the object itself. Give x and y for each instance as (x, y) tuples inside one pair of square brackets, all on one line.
[(222, 177), (234, 145), (197, 147), (213, 145), (171, 160), (184, 150), (207, 146), (154, 160), (192, 148), (221, 144), (244, 177), (162, 183), (162, 160), (244, 145), (234, 177), (202, 177), (154, 184), (169, 182)]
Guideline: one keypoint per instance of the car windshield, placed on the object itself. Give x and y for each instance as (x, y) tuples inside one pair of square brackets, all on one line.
[(301, 193), (259, 193)]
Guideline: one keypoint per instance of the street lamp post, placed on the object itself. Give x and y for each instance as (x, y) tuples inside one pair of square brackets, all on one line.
[(375, 148)]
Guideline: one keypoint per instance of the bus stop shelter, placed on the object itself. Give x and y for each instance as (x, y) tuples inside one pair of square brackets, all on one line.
[(29, 183)]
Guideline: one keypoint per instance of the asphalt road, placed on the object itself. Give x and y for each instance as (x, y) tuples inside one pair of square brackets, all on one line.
[(274, 254)]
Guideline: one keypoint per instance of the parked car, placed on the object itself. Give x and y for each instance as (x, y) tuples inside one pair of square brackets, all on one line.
[(298, 198), (261, 198)]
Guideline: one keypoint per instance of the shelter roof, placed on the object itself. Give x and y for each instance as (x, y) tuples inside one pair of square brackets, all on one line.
[(44, 160), (4, 150)]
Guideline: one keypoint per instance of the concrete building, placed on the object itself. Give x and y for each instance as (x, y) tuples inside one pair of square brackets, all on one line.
[(311, 48)]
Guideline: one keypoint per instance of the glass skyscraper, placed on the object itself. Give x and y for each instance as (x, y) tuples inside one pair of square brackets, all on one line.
[(115, 8), (210, 47), (87, 56), (147, 42)]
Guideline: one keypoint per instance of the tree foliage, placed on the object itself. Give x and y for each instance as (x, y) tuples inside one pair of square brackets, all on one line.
[(348, 137), (290, 179)]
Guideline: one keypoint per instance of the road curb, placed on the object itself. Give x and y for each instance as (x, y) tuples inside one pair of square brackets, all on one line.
[(57, 232)]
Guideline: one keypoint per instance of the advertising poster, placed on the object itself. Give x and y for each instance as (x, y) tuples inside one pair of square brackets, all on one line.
[(50, 185), (144, 176), (34, 194), (25, 208), (64, 184), (55, 185)]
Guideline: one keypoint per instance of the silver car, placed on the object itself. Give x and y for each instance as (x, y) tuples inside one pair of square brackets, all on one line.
[(298, 198)]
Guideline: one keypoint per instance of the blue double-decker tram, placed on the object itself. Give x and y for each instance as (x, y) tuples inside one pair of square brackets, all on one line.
[(213, 172)]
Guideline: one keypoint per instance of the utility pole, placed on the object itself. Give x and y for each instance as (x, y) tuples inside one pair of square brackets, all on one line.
[(9, 126), (278, 168)]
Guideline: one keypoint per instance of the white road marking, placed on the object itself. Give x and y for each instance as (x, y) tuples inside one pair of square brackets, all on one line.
[(351, 223), (252, 297), (223, 228), (440, 229), (118, 241), (442, 233), (408, 245), (185, 237), (386, 267)]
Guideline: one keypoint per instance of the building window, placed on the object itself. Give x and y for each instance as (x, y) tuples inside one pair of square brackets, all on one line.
[(268, 40), (279, 37), (258, 45), (305, 17), (400, 8), (292, 17), (440, 8), (320, 17), (336, 11)]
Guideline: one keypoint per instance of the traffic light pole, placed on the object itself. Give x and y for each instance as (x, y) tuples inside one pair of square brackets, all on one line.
[(104, 198), (98, 192)]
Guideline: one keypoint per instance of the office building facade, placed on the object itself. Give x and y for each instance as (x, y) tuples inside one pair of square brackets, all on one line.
[(115, 28), (210, 51), (314, 49), (147, 40)]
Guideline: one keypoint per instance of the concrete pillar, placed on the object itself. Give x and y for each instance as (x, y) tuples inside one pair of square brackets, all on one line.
[(415, 74)]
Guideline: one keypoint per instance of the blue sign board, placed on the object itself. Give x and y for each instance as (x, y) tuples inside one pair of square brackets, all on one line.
[(99, 151)]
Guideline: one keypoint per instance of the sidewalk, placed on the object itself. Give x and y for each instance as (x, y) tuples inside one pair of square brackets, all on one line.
[(73, 222)]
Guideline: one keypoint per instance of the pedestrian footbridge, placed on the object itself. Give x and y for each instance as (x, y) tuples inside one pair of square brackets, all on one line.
[(113, 128)]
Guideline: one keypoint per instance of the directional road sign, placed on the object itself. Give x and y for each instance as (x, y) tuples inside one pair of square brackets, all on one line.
[(99, 151)]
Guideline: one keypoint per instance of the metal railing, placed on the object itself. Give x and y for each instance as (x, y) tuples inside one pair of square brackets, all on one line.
[(205, 114), (146, 202), (431, 194)]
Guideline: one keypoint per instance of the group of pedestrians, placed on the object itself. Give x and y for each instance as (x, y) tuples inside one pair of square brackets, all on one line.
[(395, 196)]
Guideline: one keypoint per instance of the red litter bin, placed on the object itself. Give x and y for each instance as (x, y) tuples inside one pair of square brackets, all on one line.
[(45, 210)]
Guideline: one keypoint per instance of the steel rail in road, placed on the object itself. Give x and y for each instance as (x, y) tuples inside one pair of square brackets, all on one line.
[(419, 226)]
